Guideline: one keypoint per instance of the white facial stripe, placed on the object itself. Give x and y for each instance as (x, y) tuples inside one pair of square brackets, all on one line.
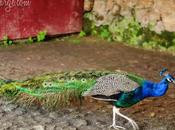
[(169, 80)]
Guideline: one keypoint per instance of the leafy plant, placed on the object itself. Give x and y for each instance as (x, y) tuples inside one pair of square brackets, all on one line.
[(7, 41), (130, 31), (30, 40), (41, 36), (126, 30), (90, 28), (104, 33), (82, 34)]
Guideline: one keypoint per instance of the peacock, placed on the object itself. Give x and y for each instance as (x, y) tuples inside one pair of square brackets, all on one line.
[(119, 88)]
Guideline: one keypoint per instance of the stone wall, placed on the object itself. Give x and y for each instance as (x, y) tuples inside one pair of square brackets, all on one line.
[(159, 12)]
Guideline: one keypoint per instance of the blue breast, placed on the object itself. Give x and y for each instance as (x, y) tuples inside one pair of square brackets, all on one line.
[(151, 89), (148, 89)]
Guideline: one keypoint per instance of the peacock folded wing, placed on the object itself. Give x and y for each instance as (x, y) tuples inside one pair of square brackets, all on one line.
[(115, 83)]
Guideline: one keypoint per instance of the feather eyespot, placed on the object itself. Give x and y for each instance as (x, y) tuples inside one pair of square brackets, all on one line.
[(50, 84), (83, 80), (73, 79), (61, 79), (45, 84)]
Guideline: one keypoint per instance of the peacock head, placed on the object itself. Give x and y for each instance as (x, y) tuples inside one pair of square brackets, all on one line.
[(167, 76)]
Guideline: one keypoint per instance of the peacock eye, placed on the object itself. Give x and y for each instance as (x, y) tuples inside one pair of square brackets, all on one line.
[(61, 78), (50, 84), (45, 84), (83, 80), (73, 79)]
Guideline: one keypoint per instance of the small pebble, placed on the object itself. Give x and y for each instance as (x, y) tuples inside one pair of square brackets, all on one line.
[(39, 127), (79, 122), (152, 114)]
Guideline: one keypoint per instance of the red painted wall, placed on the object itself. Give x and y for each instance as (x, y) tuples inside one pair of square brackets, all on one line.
[(55, 16)]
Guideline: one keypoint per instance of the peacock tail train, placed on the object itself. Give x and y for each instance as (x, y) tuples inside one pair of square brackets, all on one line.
[(56, 89)]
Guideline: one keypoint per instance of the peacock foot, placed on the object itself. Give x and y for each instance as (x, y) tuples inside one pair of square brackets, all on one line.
[(134, 125), (117, 127)]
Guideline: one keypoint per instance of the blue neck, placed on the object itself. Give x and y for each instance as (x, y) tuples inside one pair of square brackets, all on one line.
[(150, 89)]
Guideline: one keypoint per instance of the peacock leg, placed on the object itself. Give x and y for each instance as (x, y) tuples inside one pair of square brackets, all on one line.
[(133, 123), (114, 121)]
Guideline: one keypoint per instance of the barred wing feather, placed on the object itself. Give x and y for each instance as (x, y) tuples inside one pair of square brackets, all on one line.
[(112, 84)]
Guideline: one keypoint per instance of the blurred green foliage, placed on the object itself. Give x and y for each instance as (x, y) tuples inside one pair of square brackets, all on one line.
[(41, 36), (30, 40), (6, 41), (82, 34), (130, 31)]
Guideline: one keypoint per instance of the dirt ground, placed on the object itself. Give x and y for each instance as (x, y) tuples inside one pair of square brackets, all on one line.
[(24, 61)]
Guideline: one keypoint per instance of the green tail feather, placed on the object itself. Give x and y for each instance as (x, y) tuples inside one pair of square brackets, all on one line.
[(136, 78), (53, 90)]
